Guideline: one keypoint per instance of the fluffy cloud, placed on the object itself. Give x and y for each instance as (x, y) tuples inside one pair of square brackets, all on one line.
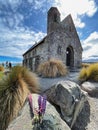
[(90, 46), (17, 42), (77, 8)]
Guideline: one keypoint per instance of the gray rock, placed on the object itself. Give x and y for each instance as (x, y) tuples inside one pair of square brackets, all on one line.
[(51, 120), (88, 118), (90, 88), (68, 98)]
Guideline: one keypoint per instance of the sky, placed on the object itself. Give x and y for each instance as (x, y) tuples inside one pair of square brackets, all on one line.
[(24, 22)]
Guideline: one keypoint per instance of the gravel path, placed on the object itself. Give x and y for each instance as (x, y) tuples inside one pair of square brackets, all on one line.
[(94, 114), (46, 83)]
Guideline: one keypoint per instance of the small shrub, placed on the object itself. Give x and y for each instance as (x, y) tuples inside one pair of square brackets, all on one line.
[(93, 72), (52, 68), (89, 73), (85, 65), (1, 68), (83, 74)]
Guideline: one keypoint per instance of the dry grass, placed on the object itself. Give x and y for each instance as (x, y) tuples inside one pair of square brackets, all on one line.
[(1, 68), (85, 65), (83, 74), (14, 89), (52, 68), (89, 73)]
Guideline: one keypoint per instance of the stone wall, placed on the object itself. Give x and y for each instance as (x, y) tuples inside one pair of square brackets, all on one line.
[(38, 55), (55, 46)]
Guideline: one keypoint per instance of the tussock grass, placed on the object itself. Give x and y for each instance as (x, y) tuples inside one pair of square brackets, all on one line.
[(89, 73), (1, 75), (85, 65), (1, 68), (52, 68), (83, 74), (14, 89)]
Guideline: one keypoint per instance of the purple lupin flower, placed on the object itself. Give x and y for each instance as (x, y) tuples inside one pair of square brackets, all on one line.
[(42, 104)]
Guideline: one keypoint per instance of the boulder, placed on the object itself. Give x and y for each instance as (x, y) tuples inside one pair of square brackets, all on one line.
[(88, 118), (68, 99), (51, 119), (90, 88)]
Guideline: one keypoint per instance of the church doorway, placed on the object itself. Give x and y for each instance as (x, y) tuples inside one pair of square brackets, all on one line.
[(70, 56)]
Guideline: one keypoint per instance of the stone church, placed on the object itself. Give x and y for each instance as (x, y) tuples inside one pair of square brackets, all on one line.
[(62, 42)]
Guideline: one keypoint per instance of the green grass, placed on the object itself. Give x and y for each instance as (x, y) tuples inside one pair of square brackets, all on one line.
[(1, 74)]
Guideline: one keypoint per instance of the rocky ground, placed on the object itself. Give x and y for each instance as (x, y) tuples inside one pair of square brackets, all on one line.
[(88, 118)]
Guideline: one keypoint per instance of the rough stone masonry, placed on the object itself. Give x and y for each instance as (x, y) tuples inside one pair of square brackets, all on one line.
[(62, 42)]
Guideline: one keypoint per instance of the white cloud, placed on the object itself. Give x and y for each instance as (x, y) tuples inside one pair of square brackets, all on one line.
[(93, 36), (90, 46), (37, 4), (79, 23), (14, 3), (30, 1), (17, 42), (77, 8)]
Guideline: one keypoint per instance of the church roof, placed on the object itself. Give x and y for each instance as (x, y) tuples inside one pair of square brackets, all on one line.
[(36, 44)]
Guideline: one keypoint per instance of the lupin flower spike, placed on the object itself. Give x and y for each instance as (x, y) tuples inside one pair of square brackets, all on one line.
[(42, 104)]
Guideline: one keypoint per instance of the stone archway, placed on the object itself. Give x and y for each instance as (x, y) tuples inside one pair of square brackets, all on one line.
[(70, 56)]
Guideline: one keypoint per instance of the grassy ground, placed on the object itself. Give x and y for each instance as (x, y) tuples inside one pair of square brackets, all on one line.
[(1, 74)]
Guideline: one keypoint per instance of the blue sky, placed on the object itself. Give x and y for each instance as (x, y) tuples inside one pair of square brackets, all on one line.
[(24, 22)]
